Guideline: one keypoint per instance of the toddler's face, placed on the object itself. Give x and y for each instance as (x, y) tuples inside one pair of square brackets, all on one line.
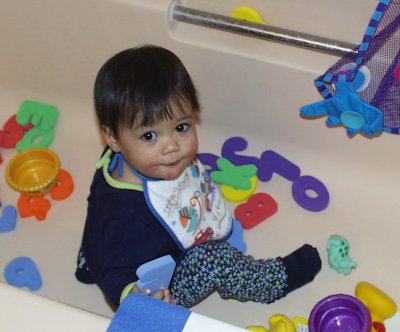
[(163, 150)]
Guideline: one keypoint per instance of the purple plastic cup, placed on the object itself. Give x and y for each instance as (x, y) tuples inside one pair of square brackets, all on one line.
[(339, 313)]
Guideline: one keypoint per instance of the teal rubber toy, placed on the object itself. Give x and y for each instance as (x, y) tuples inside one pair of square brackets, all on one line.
[(338, 250), (229, 174)]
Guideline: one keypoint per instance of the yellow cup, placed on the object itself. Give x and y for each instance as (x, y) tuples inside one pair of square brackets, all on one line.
[(33, 171)]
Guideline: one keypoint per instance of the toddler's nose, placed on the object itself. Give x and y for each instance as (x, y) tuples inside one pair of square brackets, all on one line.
[(171, 145)]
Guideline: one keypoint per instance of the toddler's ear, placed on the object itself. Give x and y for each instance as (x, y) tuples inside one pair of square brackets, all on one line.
[(110, 138)]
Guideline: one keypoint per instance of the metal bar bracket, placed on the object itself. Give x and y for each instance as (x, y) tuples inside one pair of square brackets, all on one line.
[(261, 31)]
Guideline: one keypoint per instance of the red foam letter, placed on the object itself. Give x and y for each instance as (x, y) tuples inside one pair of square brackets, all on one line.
[(258, 208)]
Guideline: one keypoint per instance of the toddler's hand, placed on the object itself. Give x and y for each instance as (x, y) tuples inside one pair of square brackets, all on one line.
[(162, 294), (165, 295)]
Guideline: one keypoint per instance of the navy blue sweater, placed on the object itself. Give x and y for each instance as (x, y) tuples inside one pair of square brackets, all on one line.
[(121, 234)]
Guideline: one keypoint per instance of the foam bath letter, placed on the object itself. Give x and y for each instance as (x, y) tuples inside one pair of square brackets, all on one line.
[(237, 144), (234, 176), (156, 274), (8, 219), (258, 208), (209, 161), (23, 272)]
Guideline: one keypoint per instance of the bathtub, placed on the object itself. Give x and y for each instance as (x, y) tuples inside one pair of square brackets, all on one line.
[(51, 52)]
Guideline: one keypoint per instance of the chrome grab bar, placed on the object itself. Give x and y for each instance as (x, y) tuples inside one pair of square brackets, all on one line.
[(261, 31)]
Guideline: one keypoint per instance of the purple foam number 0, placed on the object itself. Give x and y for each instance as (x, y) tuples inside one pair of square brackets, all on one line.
[(272, 162), (237, 144), (304, 184)]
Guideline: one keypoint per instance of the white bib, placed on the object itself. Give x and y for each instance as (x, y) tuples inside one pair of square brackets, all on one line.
[(191, 208)]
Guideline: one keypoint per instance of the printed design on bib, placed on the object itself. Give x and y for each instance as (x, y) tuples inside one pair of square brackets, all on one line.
[(209, 191), (191, 207)]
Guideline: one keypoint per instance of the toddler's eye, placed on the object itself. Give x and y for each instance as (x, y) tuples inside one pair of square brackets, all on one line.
[(150, 136), (181, 128)]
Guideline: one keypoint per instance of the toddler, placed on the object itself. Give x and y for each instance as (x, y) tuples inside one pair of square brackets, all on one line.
[(151, 196)]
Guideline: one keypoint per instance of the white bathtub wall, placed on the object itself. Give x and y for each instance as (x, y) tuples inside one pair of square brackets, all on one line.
[(51, 52)]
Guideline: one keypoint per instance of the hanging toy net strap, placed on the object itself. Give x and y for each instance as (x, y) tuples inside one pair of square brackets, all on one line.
[(373, 66)]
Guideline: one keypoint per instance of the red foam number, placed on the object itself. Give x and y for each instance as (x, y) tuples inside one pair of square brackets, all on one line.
[(36, 206), (63, 187), (257, 208)]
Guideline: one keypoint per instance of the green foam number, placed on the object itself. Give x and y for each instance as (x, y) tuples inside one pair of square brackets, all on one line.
[(234, 176), (39, 114), (43, 118), (34, 138)]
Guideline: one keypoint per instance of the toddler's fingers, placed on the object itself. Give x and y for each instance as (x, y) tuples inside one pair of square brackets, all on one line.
[(136, 289), (167, 296), (146, 292), (159, 294)]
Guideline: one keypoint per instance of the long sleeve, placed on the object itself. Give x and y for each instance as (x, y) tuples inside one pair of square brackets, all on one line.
[(120, 235)]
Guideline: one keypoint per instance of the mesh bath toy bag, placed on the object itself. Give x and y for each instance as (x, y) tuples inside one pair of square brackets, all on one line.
[(362, 89)]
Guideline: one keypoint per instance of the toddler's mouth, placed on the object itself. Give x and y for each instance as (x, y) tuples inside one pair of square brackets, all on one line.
[(174, 163)]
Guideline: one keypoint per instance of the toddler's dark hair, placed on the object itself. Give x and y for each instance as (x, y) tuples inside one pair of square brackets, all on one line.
[(148, 81)]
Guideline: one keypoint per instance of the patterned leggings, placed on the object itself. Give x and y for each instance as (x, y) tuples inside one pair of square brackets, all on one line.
[(217, 266)]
